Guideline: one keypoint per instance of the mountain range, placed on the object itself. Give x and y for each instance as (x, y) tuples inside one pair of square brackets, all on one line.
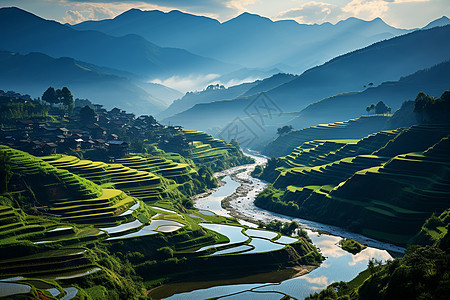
[(384, 61), (249, 40), (433, 81), (24, 32), (127, 50), (35, 72)]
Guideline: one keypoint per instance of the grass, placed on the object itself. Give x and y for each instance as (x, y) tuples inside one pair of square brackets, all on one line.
[(361, 186), (352, 246)]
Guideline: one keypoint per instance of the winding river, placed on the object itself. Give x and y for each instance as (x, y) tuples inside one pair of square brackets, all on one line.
[(240, 190)]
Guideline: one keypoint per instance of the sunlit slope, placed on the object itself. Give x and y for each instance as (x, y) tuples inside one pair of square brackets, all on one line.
[(387, 190), (143, 184), (216, 153), (351, 129), (318, 156)]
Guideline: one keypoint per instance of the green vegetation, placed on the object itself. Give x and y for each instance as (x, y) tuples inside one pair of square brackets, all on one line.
[(60, 96), (421, 274), (216, 154), (113, 230), (351, 129), (380, 108), (352, 246), (384, 185), (433, 110), (14, 108)]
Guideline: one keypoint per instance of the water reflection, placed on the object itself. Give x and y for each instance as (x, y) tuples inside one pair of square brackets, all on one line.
[(368, 253), (320, 282), (213, 201), (338, 266)]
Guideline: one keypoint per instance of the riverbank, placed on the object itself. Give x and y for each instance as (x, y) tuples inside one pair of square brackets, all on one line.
[(239, 192), (240, 205)]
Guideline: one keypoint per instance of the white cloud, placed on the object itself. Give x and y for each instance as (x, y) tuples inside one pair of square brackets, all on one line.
[(321, 282), (189, 83), (312, 12), (234, 82), (366, 9), (239, 5), (73, 17)]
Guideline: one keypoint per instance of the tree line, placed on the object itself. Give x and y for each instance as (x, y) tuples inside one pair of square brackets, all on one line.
[(60, 96)]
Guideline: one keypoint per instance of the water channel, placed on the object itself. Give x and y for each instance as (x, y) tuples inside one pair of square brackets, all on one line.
[(241, 189)]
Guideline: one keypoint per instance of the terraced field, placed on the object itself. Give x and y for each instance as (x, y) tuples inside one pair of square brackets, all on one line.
[(207, 150), (387, 191), (351, 129), (137, 183), (180, 173), (83, 234)]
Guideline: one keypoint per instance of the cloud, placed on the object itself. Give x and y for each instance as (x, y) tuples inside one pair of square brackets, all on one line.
[(209, 5), (73, 17), (188, 83), (312, 12), (80, 12), (218, 9), (364, 256), (320, 282), (239, 5), (236, 81), (366, 9)]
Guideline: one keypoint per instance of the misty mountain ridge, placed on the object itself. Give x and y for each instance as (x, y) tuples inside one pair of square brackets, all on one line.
[(24, 32), (248, 39), (433, 81), (218, 93), (381, 62), (442, 21), (33, 73)]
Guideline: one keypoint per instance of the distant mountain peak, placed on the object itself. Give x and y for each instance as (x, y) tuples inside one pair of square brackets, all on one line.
[(248, 17), (442, 21), (15, 10), (378, 19), (354, 20)]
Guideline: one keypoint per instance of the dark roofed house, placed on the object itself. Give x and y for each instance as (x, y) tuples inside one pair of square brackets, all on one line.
[(75, 143), (115, 111), (87, 144), (100, 143), (64, 131), (49, 148), (118, 148), (25, 124), (97, 131)]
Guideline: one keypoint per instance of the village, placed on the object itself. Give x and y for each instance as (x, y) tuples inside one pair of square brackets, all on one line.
[(109, 134)]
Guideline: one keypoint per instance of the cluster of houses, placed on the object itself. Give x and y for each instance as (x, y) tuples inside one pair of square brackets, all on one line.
[(106, 131), (35, 137)]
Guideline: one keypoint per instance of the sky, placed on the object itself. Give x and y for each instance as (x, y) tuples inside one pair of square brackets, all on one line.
[(398, 13)]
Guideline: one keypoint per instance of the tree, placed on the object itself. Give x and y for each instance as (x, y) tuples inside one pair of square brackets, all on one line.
[(66, 98), (284, 130), (87, 115), (5, 172), (371, 266), (289, 228), (368, 109), (150, 120), (138, 146), (381, 108), (235, 143), (50, 96)]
